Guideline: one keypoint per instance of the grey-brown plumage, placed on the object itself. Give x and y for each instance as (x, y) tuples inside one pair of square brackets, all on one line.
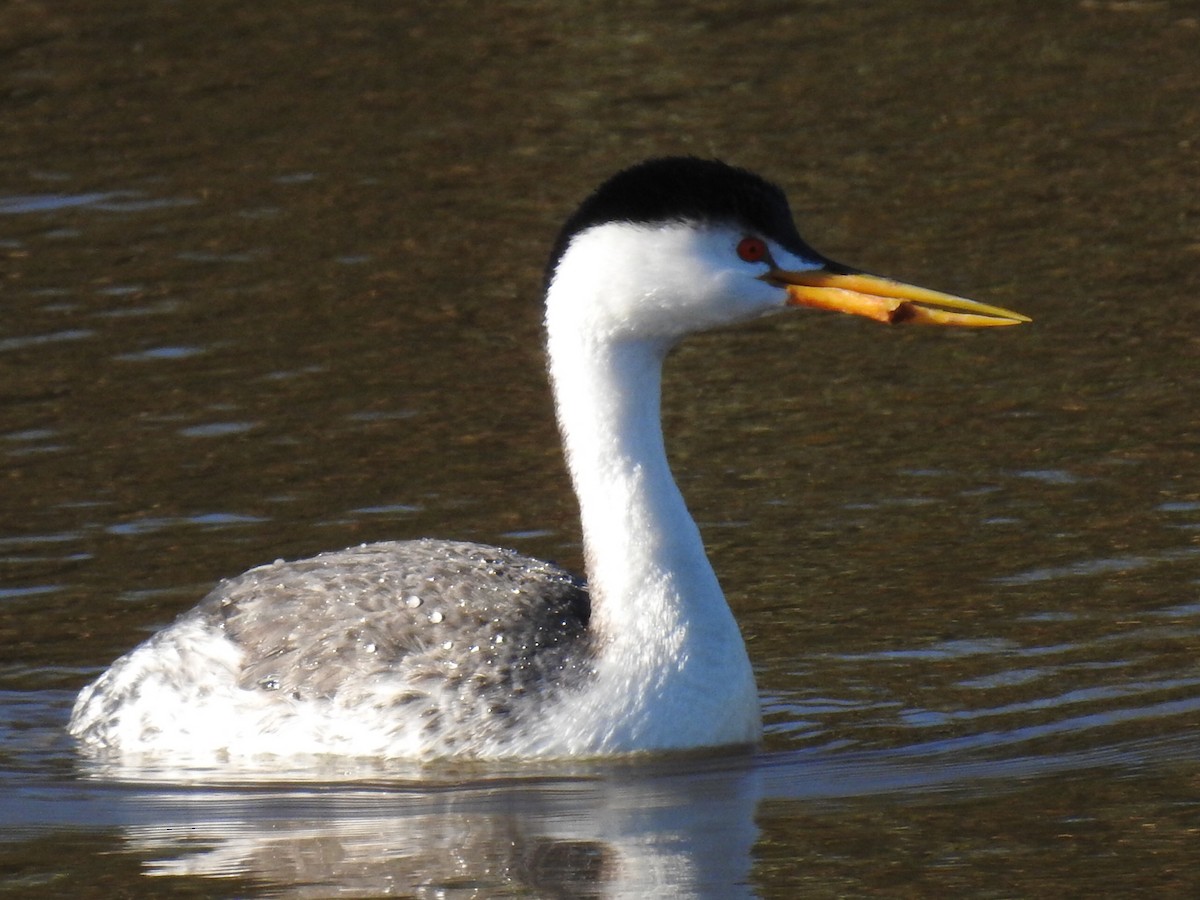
[(456, 644), (309, 626), (488, 625)]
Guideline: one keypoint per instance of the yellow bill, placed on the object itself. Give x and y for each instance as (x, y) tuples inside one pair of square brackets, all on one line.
[(887, 301)]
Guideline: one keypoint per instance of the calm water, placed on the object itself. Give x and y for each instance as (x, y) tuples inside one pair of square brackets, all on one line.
[(270, 286)]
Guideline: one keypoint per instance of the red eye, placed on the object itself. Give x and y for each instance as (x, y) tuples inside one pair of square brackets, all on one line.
[(752, 249)]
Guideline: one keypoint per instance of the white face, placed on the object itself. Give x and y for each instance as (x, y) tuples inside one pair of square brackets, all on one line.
[(620, 280)]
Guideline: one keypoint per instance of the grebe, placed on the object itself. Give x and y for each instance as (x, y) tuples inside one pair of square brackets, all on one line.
[(426, 649)]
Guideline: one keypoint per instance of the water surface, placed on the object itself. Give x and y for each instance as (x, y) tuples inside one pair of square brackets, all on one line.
[(269, 286)]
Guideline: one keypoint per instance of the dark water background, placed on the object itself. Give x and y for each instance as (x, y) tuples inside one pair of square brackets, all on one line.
[(269, 281)]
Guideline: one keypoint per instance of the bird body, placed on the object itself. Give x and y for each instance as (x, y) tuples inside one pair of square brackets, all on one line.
[(427, 649)]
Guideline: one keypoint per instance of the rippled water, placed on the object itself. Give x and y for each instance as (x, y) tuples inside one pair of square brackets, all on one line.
[(268, 286)]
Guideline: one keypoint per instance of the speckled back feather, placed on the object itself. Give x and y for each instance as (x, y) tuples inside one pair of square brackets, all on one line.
[(309, 626)]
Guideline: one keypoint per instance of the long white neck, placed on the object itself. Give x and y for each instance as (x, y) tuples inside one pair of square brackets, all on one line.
[(646, 563), (671, 652)]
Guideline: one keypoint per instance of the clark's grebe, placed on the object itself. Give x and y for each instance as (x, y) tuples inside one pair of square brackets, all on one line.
[(425, 649)]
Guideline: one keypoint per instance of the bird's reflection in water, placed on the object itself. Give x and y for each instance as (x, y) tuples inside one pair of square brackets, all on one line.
[(630, 833)]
